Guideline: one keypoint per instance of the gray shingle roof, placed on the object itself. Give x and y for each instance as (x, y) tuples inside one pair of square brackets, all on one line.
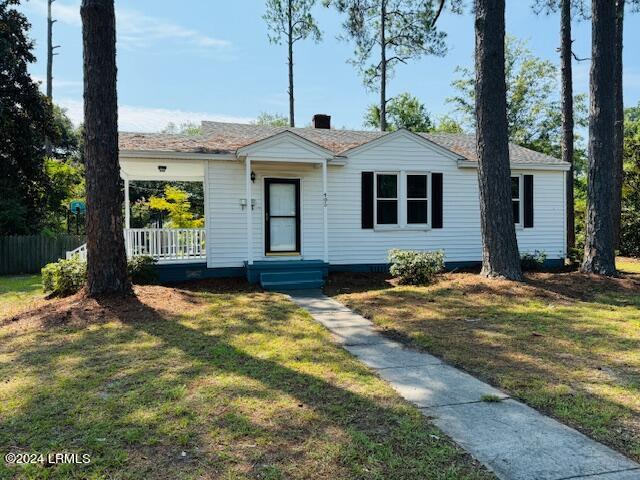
[(218, 137)]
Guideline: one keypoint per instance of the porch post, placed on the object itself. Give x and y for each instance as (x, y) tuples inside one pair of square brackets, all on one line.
[(247, 164), (127, 206), (324, 211)]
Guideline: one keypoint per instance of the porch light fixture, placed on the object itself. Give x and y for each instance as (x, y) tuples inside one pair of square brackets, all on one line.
[(253, 177), (162, 168)]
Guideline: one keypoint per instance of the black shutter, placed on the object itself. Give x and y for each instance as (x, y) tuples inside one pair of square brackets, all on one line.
[(436, 200), (528, 201), (367, 199)]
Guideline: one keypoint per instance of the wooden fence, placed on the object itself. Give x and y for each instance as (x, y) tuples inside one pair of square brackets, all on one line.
[(29, 253)]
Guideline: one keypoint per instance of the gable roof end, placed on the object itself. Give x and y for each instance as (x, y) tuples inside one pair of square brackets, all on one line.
[(403, 132), (284, 137)]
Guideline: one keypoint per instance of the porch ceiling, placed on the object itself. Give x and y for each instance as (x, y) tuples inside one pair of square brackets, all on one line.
[(175, 170)]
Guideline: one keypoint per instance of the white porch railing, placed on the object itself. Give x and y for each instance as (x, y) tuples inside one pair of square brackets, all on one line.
[(166, 244), (163, 244), (80, 252)]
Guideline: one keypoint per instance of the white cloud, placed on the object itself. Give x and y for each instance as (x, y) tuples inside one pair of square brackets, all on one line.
[(144, 119), (134, 29)]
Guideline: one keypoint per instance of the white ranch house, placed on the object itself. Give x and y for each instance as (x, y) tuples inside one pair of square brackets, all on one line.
[(285, 205)]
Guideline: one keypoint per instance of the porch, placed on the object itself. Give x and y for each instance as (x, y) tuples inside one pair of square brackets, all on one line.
[(165, 245)]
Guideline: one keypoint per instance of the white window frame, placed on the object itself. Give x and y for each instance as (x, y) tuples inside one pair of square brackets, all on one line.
[(405, 201), (520, 198), (398, 200), (402, 201)]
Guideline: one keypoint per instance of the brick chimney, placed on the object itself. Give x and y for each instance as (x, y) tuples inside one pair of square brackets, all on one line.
[(321, 120)]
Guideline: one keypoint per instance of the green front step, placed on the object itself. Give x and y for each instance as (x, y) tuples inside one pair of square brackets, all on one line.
[(292, 280)]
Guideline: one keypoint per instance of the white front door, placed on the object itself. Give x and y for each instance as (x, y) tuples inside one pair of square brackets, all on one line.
[(282, 216)]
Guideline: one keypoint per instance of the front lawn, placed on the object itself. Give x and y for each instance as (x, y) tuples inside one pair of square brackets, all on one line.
[(18, 292), (210, 383), (628, 265), (565, 343)]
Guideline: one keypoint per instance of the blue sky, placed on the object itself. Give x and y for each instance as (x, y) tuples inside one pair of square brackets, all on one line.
[(210, 59)]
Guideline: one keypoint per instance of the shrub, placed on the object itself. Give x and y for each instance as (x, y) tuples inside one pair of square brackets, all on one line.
[(533, 261), (64, 277), (142, 270), (415, 268), (630, 234)]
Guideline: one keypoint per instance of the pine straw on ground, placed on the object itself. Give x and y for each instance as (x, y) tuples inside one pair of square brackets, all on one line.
[(79, 309)]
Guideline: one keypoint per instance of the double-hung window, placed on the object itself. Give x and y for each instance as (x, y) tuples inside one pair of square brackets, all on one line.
[(402, 199), (417, 199), (386, 198), (516, 198)]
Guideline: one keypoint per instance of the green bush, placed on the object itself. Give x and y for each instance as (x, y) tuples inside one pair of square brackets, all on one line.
[(142, 270), (415, 268), (533, 261), (64, 277)]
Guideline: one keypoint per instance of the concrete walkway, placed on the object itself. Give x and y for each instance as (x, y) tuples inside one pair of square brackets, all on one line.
[(513, 440)]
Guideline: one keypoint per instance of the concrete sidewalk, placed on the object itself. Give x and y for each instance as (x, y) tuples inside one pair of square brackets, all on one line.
[(513, 440)]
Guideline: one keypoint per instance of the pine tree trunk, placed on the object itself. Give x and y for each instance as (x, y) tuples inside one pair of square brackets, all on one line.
[(567, 116), (500, 257), (106, 258), (599, 255), (292, 121), (383, 67), (49, 51), (619, 135), (47, 142)]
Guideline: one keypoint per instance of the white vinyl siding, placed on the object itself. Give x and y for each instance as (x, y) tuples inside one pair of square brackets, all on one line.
[(348, 242), (227, 227)]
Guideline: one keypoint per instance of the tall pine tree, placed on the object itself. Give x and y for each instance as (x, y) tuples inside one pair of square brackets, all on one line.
[(500, 256), (106, 257), (291, 21), (396, 30), (599, 255)]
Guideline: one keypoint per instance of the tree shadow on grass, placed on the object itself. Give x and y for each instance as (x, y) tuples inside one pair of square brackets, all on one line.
[(146, 385), (572, 359)]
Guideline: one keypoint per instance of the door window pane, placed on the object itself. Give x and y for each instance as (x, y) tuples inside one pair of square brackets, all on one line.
[(417, 211), (387, 186), (283, 234), (387, 212), (282, 199)]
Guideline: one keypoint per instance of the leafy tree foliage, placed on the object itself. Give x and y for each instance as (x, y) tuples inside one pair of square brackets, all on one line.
[(630, 228), (272, 120), (447, 124), (533, 108), (185, 128), (400, 30), (141, 191), (176, 203), (291, 21), (66, 179), (404, 111), (25, 120)]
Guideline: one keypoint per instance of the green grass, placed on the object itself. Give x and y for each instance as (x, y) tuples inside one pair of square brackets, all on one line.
[(18, 291), (190, 384), (567, 344), (628, 265)]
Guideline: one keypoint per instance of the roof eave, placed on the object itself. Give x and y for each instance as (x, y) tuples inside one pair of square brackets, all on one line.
[(563, 167)]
